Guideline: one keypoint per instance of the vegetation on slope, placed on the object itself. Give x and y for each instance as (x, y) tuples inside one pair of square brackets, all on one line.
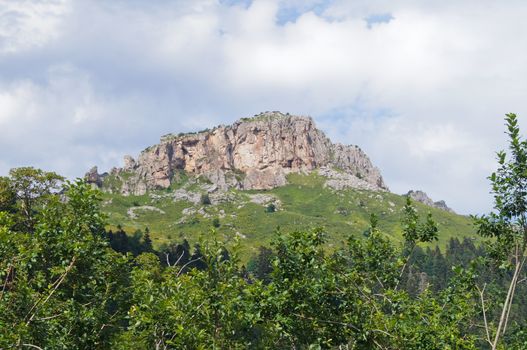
[(303, 203)]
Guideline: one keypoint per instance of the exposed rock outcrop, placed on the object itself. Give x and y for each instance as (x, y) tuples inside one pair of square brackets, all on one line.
[(252, 153), (132, 211), (93, 177), (422, 197), (339, 180)]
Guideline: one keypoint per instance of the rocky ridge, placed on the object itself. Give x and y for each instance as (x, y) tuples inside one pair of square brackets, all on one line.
[(422, 197), (252, 153)]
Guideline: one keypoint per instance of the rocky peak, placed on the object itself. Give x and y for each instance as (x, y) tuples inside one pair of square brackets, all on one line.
[(422, 197), (252, 153)]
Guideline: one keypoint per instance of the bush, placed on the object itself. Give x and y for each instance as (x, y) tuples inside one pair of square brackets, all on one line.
[(205, 199), (216, 222), (271, 208)]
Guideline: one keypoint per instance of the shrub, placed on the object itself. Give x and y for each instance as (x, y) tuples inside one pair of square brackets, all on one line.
[(216, 222), (271, 208), (205, 199)]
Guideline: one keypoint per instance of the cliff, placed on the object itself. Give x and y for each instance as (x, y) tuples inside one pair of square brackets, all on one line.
[(252, 153)]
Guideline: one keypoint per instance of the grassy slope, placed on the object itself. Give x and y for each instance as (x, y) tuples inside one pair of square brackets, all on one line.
[(305, 204)]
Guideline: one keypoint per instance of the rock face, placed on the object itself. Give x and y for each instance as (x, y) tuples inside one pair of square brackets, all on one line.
[(252, 153), (93, 177), (422, 197)]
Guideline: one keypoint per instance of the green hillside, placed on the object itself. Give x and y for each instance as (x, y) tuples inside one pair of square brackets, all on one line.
[(303, 203)]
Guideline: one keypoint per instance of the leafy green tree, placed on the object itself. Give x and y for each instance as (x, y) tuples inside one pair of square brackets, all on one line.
[(507, 224), (210, 308), (261, 265), (415, 232), (147, 242), (32, 188), (7, 195), (62, 285)]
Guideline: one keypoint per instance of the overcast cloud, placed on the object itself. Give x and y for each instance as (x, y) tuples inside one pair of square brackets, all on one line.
[(421, 86)]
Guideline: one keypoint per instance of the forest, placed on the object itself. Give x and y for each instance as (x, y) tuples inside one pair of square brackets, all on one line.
[(69, 282)]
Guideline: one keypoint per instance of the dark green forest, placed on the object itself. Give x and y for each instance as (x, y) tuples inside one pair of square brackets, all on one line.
[(68, 282)]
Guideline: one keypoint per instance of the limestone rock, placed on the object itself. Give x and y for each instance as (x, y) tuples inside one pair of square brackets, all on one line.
[(184, 195), (422, 197), (354, 161), (342, 180), (265, 200), (129, 163), (93, 177), (252, 153), (132, 211), (442, 205)]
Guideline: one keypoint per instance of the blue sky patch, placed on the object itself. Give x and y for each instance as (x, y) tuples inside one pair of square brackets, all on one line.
[(289, 14), (244, 3), (378, 18)]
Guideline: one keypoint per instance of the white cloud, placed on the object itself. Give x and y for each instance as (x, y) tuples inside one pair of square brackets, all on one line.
[(424, 94), (27, 24)]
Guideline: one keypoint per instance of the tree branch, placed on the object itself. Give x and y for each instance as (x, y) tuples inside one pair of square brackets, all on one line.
[(57, 285), (481, 292)]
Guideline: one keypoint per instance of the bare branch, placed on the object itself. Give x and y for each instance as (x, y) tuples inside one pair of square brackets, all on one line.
[(183, 267), (177, 261), (512, 295), (506, 306), (481, 292)]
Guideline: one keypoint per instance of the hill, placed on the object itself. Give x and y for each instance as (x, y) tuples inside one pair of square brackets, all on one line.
[(247, 179)]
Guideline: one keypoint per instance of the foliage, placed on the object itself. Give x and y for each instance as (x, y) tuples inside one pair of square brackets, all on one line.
[(29, 189), (260, 266), (270, 208), (507, 224), (205, 199), (304, 203), (216, 222), (62, 283), (64, 287)]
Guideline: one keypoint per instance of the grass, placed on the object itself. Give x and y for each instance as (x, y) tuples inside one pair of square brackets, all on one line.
[(305, 203)]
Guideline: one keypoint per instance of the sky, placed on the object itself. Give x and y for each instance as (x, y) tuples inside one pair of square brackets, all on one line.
[(421, 86)]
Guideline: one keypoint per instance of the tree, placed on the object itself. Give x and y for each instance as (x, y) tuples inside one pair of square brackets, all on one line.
[(213, 307), (62, 286), (507, 224), (261, 264), (7, 196), (175, 254), (32, 188), (147, 242), (415, 231), (205, 199)]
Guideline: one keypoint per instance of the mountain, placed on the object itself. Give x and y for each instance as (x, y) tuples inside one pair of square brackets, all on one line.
[(253, 153), (248, 178)]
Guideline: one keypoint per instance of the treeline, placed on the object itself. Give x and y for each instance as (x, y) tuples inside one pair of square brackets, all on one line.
[(67, 283), (429, 269)]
